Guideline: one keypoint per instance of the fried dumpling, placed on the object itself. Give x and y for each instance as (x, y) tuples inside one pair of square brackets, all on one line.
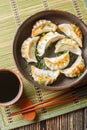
[(72, 31), (46, 40), (43, 26), (76, 69), (44, 76), (28, 49), (69, 45), (59, 62)]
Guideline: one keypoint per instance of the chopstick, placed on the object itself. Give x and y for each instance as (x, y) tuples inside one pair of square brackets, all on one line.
[(45, 105), (38, 105)]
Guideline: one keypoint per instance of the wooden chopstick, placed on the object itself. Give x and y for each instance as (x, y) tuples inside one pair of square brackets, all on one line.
[(45, 101), (45, 105)]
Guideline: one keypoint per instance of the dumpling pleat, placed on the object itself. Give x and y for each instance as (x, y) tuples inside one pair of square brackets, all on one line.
[(59, 62), (44, 76), (46, 40), (76, 69), (72, 31), (43, 26), (69, 45), (28, 49)]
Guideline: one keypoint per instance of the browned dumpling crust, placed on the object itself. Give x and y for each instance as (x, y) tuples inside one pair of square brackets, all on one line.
[(76, 69), (43, 26), (44, 76), (72, 31), (46, 40), (68, 45), (28, 49), (59, 62)]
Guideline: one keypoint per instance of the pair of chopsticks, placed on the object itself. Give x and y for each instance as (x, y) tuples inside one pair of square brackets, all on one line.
[(47, 103)]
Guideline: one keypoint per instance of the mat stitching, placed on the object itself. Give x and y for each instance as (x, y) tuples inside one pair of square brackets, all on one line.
[(17, 18), (77, 8), (7, 111), (38, 90), (15, 11), (75, 93), (78, 12), (45, 4), (40, 98)]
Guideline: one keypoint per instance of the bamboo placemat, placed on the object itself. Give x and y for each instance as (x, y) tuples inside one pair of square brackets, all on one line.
[(12, 13)]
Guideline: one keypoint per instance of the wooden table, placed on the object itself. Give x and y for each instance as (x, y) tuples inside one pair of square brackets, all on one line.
[(76, 120)]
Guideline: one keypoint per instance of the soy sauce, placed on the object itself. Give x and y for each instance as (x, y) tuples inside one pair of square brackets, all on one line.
[(9, 86)]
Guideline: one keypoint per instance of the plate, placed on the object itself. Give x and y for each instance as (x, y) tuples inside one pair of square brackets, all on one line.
[(24, 31)]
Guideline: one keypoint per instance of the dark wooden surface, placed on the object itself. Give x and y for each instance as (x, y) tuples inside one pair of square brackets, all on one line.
[(76, 120)]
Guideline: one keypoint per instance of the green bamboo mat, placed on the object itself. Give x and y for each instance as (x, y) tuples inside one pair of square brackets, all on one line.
[(12, 13)]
